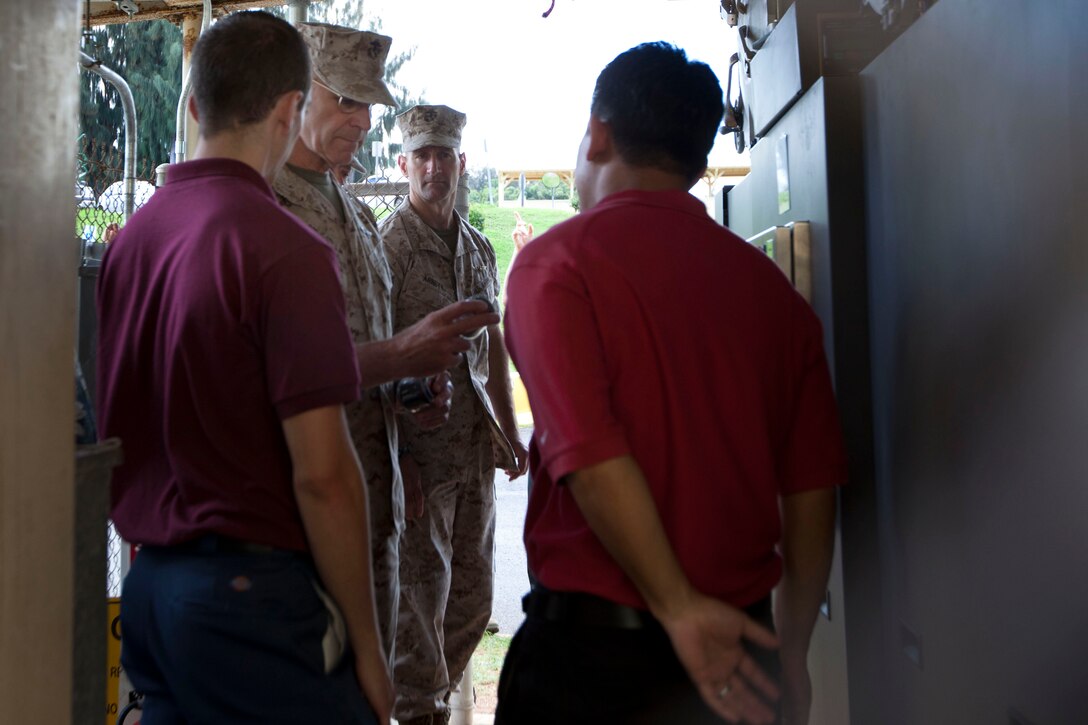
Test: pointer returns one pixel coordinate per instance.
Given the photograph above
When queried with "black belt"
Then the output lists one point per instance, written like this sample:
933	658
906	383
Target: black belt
593	611
584	609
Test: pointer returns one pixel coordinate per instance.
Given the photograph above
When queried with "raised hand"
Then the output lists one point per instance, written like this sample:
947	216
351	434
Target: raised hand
522	234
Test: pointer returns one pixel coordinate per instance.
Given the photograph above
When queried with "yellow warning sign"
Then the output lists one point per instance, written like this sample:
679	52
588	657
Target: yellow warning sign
113	659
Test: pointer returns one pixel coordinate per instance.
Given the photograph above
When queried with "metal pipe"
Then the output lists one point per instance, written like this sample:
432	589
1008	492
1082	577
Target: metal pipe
128	104
179	134
298	11
181	126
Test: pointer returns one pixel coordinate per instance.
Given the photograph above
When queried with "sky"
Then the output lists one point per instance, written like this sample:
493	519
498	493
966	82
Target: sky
525	81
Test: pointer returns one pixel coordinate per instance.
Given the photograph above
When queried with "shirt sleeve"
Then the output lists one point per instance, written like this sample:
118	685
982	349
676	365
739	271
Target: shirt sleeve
552	335
815	453
309	356
397	254
492	268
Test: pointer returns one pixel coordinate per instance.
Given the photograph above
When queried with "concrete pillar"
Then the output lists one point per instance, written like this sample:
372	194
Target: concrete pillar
39	260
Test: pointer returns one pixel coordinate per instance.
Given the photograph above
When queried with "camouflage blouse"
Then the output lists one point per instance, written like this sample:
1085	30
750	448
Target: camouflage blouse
368	282
428	276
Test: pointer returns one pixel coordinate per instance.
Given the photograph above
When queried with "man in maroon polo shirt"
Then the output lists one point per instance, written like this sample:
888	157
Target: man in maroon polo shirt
687	444
224	364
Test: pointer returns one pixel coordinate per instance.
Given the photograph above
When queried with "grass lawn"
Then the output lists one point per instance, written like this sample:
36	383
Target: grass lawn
486	666
499	222
97	219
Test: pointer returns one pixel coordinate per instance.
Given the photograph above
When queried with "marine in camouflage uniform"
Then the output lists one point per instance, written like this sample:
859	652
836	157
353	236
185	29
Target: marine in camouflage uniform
348	66
367	283
353	61
446	565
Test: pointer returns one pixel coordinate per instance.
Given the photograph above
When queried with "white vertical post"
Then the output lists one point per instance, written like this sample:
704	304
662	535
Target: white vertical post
462	700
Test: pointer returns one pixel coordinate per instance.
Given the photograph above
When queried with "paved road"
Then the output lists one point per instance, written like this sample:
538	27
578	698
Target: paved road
511	581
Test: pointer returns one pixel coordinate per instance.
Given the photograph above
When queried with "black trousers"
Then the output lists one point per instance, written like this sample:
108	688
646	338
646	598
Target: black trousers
567	669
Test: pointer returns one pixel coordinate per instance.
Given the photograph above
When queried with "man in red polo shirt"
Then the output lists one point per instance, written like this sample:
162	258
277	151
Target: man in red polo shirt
224	364
687	444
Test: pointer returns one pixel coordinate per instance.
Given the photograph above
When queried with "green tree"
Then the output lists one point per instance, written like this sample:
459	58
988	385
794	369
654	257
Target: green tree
477	185
536	191
147	55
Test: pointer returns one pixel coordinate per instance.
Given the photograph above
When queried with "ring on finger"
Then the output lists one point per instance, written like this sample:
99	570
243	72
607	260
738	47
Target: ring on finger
724	691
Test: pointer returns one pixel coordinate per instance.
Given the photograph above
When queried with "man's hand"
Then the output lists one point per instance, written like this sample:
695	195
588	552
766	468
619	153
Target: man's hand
413	487
434	344
437	412
372	672
329	488
522	234
707	634
521	458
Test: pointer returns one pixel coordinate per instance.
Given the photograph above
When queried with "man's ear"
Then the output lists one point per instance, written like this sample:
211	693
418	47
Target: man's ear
192	109
462	157
402	164
600	147
288	106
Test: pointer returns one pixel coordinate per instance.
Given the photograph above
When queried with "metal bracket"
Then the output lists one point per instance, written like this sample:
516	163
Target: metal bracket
129	7
734	112
729	12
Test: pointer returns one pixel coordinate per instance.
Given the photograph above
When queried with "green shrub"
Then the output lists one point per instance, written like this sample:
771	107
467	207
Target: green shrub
476	218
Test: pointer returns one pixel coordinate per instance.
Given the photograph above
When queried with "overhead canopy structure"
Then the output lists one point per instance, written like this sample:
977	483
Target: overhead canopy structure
109	12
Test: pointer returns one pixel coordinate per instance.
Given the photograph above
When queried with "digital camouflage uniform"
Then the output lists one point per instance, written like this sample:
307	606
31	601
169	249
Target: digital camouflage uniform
446	556
367	281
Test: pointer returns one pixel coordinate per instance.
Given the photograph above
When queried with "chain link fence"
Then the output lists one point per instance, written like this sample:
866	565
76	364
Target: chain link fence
100	211
380	192
100	190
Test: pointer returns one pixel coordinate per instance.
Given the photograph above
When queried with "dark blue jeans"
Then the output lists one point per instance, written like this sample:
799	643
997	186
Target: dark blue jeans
214	637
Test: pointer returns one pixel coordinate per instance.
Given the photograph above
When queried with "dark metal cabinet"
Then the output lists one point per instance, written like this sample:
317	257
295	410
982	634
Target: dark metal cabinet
808	169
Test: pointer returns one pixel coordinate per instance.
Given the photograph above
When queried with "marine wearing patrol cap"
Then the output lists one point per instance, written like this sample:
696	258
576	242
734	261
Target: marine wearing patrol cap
350	62
431	126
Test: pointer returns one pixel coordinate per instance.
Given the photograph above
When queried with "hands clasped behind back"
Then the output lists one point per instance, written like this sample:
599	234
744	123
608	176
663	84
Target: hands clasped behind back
707	635
435	343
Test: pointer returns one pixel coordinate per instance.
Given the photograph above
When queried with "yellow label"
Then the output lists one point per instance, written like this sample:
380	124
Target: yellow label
113	659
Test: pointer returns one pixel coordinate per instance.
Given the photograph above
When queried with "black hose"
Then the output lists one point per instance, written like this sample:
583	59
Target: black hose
134	704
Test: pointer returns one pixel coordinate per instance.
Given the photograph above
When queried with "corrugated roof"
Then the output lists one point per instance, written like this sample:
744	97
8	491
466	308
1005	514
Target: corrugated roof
106	12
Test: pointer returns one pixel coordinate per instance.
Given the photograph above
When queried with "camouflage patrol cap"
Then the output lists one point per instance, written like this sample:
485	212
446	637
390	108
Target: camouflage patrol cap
350	62
431	126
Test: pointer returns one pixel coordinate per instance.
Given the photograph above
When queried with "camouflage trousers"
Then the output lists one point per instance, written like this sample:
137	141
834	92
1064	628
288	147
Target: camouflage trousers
385	533
446	583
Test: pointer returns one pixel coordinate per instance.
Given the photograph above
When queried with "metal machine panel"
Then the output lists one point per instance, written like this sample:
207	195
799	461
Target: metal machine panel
815	155
777	74
784	47
979	311
789	246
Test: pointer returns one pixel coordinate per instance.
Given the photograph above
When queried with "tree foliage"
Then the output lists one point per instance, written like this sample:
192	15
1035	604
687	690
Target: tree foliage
537	191
147	55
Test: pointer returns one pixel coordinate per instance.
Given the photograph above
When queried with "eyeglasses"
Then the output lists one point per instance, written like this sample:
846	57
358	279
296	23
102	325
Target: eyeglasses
345	104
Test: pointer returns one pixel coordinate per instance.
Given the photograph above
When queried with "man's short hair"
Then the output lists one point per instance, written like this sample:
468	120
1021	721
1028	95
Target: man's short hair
242	65
663	109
